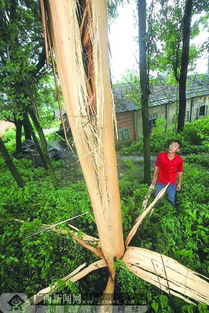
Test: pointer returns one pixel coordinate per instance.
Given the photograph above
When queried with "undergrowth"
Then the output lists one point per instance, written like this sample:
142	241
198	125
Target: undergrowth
32	260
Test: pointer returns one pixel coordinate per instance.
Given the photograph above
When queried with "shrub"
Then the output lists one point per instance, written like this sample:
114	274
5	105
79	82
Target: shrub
32	261
135	148
202	159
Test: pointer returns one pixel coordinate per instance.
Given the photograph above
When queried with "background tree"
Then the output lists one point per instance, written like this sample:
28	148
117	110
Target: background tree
144	83
22	60
173	55
186	29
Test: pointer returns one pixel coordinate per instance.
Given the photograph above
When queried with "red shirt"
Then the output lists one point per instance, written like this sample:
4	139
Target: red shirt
168	169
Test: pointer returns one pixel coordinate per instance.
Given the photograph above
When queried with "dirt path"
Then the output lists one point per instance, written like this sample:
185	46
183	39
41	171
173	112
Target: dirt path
4	126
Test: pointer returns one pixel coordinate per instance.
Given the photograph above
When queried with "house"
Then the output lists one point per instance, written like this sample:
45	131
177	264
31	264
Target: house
163	104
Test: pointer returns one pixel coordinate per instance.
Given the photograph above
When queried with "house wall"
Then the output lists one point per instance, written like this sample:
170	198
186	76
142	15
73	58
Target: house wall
164	111
193	107
168	112
125	123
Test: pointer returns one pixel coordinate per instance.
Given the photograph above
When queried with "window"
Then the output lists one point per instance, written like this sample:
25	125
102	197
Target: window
124	134
187	116
202	110
152	120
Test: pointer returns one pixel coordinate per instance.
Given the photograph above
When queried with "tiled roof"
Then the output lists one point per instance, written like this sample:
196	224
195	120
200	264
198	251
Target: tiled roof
121	99
159	94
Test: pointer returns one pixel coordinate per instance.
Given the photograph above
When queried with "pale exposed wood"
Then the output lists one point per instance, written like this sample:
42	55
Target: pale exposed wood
108	296
37	298
92	267
167	274
74	276
84	244
85	237
93	133
85	241
143	215
5	126
147	196
18	220
89	105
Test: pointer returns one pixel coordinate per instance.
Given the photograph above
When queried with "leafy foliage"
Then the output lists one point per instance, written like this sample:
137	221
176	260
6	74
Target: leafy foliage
165	19
32	261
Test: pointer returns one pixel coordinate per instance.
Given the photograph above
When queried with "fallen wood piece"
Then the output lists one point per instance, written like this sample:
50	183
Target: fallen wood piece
147	196
73	277
84	244
167	274
37	298
85	237
56	224
142	216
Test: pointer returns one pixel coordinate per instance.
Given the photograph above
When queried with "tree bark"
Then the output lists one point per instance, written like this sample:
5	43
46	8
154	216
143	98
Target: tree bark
43	144
144	84
18	124
38	147
27	130
184	64
10	164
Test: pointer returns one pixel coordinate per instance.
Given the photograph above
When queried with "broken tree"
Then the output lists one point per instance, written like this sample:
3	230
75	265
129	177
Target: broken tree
76	35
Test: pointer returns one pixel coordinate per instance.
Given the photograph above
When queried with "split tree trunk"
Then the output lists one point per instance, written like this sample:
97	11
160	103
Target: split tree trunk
88	101
79	35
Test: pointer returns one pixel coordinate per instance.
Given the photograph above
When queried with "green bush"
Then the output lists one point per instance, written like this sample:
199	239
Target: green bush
9	135
134	148
194	138
197	132
30	261
202	159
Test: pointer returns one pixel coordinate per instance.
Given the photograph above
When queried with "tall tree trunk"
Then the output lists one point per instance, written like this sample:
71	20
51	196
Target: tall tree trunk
144	84
38	147
10	164
43	143
18	124
26	130
184	64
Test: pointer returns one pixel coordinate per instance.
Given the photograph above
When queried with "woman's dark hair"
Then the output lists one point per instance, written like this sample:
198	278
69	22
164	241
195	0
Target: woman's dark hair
176	140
